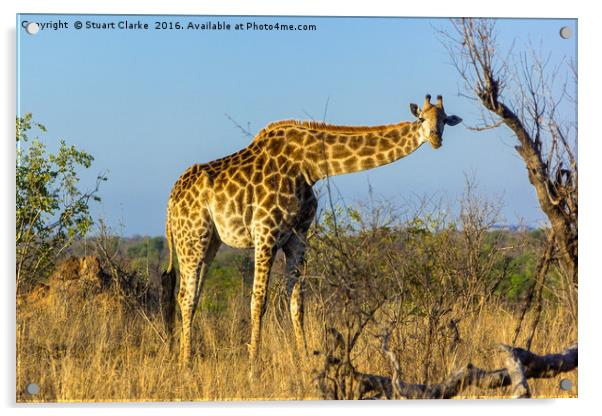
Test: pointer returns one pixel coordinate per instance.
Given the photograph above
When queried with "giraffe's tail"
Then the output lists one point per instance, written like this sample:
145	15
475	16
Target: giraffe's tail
168	288
169	238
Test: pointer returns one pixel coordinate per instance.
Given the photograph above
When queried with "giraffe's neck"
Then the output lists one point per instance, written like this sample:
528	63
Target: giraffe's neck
330	151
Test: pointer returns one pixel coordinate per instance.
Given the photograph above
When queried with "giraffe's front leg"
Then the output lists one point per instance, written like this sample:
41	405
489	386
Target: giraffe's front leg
264	258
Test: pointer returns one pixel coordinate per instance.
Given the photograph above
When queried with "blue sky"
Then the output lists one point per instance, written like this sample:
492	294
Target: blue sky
147	104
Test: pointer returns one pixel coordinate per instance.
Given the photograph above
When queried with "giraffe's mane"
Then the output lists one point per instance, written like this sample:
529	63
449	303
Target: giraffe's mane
322	126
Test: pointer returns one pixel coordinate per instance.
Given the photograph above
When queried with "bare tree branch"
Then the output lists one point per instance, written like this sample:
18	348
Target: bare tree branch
486	126
244	131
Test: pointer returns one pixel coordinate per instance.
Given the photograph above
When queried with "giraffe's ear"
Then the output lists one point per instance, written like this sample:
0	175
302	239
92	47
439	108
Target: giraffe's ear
452	120
415	110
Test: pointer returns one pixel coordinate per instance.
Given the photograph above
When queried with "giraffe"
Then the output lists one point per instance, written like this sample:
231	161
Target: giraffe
261	197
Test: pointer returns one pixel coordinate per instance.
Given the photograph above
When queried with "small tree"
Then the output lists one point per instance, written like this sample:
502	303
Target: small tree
50	209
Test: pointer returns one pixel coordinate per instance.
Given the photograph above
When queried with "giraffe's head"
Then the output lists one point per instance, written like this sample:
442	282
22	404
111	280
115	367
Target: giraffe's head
433	119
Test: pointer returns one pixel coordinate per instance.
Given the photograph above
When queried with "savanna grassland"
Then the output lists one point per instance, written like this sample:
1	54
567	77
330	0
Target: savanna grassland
449	292
96	351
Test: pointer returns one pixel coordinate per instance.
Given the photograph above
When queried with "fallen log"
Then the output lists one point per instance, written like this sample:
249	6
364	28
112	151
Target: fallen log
340	380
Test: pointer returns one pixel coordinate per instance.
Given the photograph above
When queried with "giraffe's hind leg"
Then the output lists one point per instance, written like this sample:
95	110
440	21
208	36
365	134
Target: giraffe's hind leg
294	251
265	251
198	251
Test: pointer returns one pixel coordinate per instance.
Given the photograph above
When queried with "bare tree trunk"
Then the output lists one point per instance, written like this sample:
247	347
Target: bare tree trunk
564	227
542	138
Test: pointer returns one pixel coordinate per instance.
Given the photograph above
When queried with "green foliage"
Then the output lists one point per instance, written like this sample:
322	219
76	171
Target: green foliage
521	274
51	210
342	220
538	234
230	275
145	255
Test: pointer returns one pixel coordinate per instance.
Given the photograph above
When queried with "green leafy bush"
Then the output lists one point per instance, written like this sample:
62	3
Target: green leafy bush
51	211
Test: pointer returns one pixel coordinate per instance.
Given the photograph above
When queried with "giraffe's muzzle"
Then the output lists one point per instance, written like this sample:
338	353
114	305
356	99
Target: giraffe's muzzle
436	141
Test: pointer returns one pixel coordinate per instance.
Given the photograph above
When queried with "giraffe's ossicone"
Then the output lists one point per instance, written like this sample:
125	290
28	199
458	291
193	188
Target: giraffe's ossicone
262	197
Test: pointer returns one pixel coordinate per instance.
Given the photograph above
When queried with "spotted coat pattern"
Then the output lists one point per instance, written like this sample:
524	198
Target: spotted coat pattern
261	197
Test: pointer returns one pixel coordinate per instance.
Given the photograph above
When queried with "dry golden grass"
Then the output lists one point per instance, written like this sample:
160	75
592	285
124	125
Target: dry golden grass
95	350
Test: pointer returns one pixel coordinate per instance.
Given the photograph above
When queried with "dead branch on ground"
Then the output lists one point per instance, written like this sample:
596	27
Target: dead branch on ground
340	380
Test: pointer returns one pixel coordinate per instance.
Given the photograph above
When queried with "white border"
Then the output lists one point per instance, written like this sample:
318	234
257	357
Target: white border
589	154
